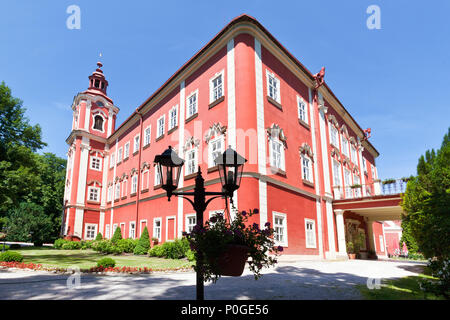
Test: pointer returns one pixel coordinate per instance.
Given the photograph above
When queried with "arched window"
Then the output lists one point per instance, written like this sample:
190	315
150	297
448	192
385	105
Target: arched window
98	122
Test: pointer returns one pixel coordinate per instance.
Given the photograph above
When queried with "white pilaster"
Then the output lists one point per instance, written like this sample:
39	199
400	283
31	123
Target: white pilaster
340	231
330	230
180	153
81	191
261	132
87	116
324	146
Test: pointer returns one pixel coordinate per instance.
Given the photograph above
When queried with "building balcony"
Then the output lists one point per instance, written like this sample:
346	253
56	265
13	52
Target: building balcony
376	188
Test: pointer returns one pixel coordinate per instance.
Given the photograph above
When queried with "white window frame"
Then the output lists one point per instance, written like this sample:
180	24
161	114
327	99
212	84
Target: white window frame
305	118
364	162
126	150
145	184
117	191
173	121
124	187
347	184
107	232
113	160
157	177
309	168
334	136
354	154
122	229
110	193
103	122
86	231
283	243
134	183
119	155
97	193
187	162
136	145
214	213
275	140
147	135
212	89
211	143
345	145
311	231
160	228
357	180
269	76
188	105
140	225
94	162
132	236
161	126
337	174
188	226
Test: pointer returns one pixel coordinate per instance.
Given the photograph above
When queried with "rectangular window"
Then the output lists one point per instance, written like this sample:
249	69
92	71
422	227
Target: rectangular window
161	124
113	160
96	163
191	162
147	136
354	154
144	181
119	155
157	228
357	181
364	164
191	105
134	181
94	194
302	110
173	117
348	183
107	231
336	173
127	150
109	193
136	144
157	177
216	88
191	221
306	168
344	146
279	225
310	233
117	193
273	87
90	232
277	154
124	188
215	150
334	136
132	231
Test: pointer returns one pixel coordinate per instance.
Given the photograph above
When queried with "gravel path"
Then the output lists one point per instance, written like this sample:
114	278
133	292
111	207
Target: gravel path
323	280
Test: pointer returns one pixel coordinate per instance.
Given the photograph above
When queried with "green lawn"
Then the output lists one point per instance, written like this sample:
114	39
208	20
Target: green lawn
399	289
84	259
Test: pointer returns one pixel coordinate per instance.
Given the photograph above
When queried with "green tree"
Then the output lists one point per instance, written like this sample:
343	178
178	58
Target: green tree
426	202
143	244
28	222
117	235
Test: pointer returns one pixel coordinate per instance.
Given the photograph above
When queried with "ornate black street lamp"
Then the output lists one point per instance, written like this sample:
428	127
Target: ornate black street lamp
230	165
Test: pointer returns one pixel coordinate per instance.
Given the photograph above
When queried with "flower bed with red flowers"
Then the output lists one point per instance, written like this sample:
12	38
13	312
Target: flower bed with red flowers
102	270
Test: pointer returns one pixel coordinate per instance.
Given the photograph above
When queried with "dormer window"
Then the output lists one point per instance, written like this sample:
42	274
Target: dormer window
98	122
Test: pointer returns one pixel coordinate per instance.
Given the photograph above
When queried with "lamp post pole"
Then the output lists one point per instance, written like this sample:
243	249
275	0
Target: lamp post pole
199	204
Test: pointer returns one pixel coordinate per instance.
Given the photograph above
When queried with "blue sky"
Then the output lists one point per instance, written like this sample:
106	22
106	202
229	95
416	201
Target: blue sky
395	80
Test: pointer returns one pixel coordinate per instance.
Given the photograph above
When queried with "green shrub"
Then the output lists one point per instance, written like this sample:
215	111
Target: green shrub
190	255
126	245
10	256
156	251
106	263
117	235
86	244
71	245
6	247
171	250
99	237
107	247
59	243
143	244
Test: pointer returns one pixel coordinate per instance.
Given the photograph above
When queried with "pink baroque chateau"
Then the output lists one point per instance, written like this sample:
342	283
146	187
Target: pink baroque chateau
310	165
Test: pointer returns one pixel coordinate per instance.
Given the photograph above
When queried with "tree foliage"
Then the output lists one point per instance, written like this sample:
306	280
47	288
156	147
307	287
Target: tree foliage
143	244
26	176
426	202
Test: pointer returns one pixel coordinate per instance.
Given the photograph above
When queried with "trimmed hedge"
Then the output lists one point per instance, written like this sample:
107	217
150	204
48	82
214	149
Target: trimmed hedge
117	235
11	256
106	263
143	245
171	250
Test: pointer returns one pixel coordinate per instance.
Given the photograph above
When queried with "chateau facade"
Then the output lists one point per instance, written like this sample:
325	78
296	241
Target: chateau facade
245	90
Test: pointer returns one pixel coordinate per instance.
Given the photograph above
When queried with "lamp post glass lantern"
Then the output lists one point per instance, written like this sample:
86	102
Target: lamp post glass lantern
230	165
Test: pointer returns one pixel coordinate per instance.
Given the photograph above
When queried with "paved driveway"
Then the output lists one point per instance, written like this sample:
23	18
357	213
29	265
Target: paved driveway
294	280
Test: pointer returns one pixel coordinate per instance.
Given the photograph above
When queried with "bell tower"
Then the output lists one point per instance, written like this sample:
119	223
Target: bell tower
94	117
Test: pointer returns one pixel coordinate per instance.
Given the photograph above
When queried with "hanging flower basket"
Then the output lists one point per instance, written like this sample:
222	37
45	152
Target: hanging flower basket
232	261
